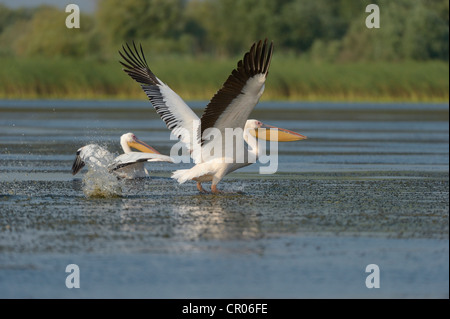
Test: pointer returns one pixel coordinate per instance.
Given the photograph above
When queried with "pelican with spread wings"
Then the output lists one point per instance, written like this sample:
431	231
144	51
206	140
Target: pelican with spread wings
229	108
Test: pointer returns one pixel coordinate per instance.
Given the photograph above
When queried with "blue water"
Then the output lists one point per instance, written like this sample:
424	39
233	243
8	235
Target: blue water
390	137
369	185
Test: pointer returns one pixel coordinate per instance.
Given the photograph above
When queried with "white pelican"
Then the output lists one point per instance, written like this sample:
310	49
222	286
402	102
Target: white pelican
229	108
129	165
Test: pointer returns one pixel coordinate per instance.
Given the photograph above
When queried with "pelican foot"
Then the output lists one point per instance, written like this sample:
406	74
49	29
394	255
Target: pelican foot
214	189
200	188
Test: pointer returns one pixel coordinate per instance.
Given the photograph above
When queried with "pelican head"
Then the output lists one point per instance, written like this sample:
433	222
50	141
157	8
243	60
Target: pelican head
129	140
263	131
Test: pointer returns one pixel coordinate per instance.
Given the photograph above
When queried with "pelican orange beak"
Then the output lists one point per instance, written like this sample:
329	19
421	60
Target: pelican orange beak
141	146
273	133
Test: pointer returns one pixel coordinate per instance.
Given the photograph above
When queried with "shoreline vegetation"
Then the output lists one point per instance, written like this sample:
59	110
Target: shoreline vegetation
324	50
290	79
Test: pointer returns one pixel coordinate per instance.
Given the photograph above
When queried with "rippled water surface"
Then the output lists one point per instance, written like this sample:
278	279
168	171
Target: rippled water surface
370	185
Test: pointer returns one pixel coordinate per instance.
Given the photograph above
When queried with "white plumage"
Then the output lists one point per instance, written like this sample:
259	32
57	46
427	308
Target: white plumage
129	165
230	107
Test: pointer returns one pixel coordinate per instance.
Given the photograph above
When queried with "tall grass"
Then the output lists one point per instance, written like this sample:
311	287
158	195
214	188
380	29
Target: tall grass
198	79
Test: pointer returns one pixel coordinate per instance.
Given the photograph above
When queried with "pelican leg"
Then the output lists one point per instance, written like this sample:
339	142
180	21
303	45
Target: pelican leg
214	189
200	188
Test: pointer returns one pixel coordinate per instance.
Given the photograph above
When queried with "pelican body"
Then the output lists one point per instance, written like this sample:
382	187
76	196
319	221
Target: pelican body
229	108
129	165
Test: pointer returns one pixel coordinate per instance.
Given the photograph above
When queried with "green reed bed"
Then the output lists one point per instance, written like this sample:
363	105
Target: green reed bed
199	78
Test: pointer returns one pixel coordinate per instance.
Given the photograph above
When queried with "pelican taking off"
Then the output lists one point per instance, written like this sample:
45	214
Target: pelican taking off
129	165
229	108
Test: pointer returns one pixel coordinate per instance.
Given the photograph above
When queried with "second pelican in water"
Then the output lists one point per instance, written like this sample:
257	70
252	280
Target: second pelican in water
129	165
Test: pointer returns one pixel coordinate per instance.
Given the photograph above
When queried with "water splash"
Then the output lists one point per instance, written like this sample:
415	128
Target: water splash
99	183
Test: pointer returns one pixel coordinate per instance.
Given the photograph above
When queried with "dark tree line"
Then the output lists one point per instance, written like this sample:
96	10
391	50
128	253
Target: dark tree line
331	30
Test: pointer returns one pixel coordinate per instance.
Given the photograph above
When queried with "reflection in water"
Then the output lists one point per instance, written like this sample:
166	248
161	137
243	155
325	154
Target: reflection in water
215	218
202	217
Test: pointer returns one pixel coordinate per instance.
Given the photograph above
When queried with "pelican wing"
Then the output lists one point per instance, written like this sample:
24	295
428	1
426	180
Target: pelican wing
93	155
137	157
232	104
79	163
177	115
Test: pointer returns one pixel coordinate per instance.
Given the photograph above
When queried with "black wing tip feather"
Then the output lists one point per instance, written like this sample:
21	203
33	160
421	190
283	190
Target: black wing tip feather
261	56
78	164
255	61
135	64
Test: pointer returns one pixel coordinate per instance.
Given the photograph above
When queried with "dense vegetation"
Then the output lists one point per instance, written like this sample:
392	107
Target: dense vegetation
323	48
